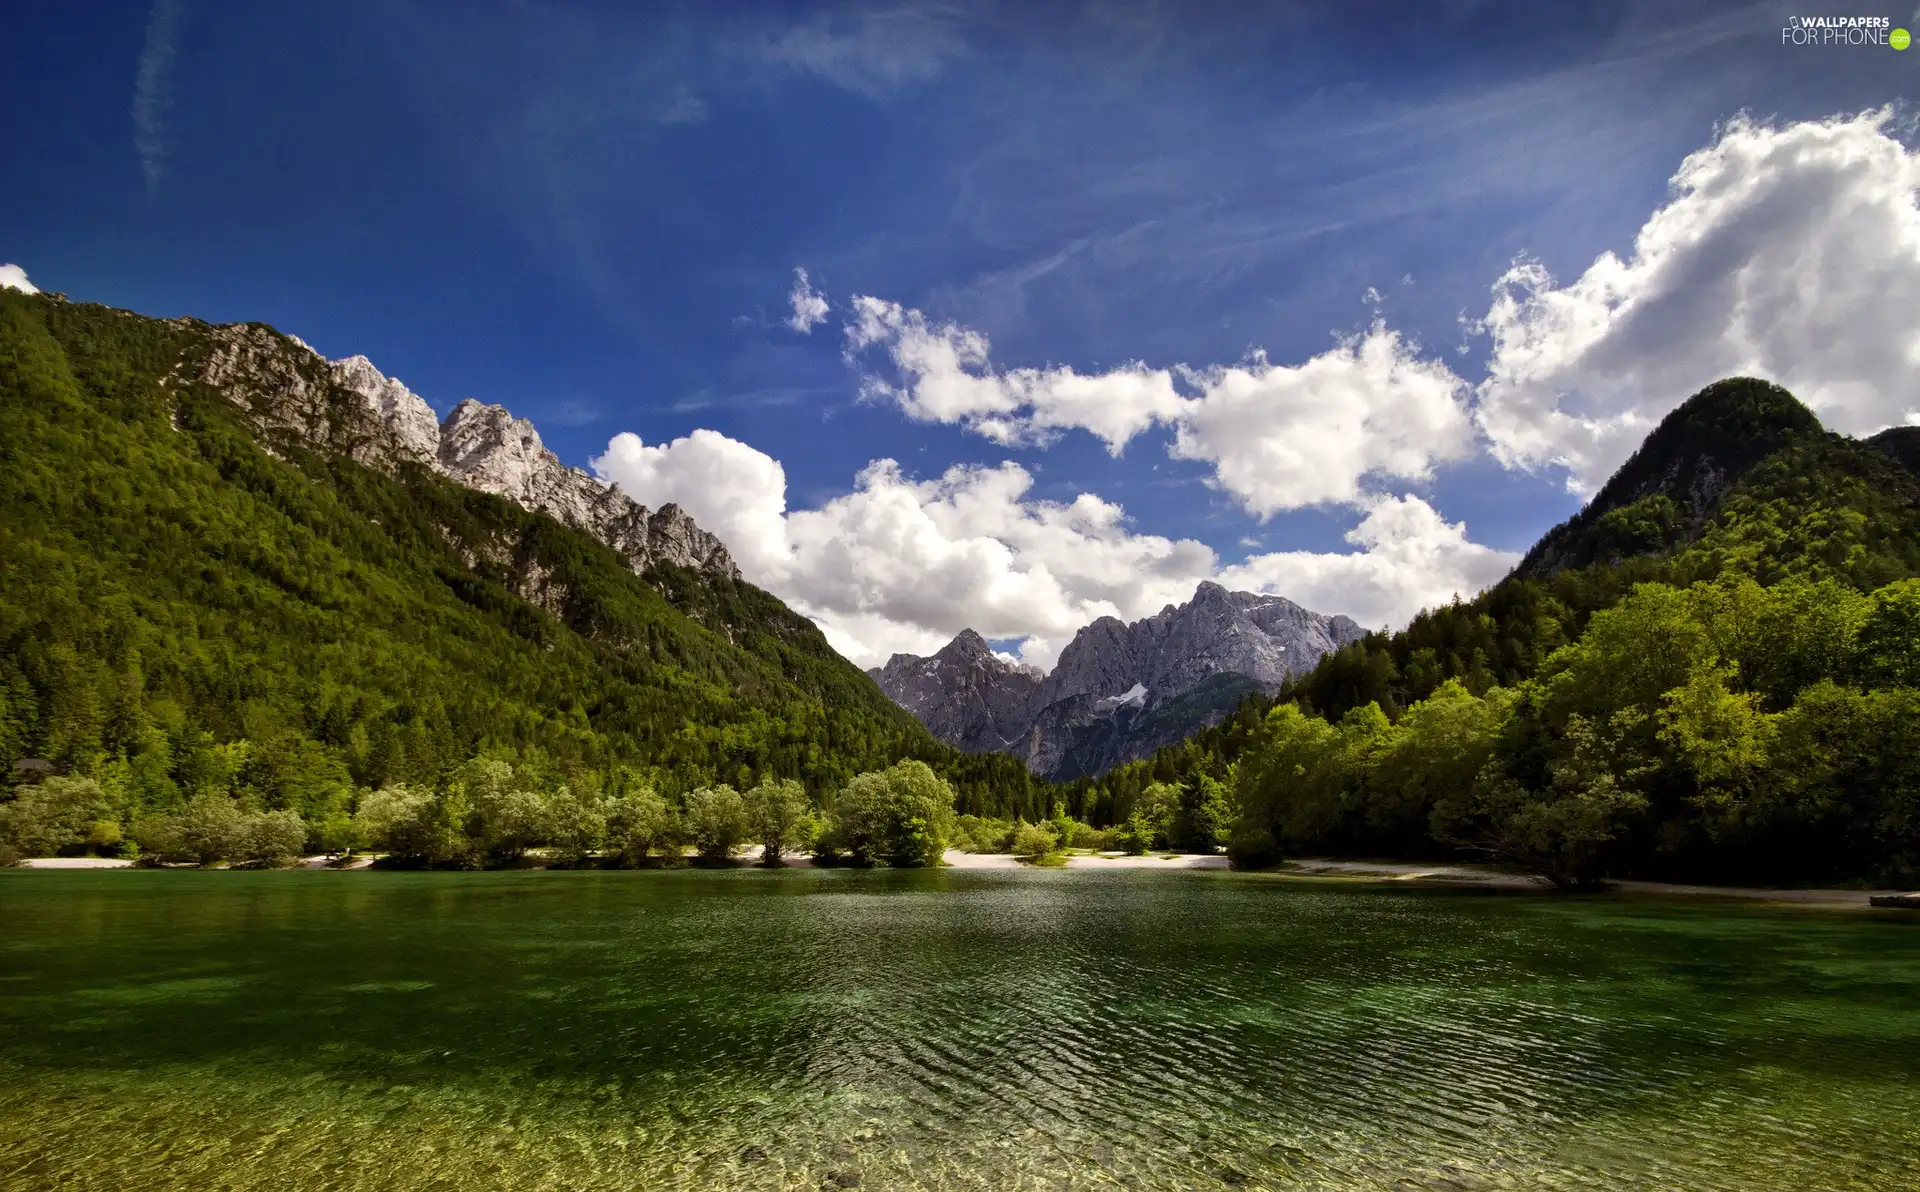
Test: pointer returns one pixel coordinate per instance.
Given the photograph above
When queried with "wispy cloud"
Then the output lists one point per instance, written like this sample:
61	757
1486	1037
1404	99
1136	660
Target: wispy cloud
771	396
574	412
152	90
684	108
874	52
809	304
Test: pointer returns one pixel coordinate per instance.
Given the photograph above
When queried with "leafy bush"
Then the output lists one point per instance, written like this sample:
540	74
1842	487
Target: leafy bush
575	825
976	834
211	828
1031	842
54	816
269	838
639	823
1085	835
715	820
780	819
1135	837
901	815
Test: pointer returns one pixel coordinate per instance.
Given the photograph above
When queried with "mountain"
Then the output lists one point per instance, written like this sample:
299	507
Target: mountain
480	446
1708	674
1740	477
1900	444
966	695
1119	690
1667	489
225	560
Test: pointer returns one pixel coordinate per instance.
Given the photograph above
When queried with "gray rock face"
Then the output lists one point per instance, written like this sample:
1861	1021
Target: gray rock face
487	448
964	694
287	387
415	427
1119	691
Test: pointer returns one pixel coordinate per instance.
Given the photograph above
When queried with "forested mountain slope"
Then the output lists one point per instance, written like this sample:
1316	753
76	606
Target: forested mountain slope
203	586
1712	671
1741	478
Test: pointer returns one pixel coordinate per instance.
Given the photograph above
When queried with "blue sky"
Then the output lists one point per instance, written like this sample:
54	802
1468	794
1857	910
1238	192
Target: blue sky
591	213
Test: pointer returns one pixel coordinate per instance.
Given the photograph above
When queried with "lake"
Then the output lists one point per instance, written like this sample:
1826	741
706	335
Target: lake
940	1030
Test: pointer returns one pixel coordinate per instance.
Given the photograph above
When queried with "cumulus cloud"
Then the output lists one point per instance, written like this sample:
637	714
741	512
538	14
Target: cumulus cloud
730	488
809	305
153	90
1788	252
903	564
1282	437
1279	437
945	375
1410	558
13	277
1785	252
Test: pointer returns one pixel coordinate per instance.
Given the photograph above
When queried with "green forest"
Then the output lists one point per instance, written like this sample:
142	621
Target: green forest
191	608
1711	673
220	642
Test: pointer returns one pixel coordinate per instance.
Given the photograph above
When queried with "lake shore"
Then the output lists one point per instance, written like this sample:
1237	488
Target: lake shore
1491	878
1435	875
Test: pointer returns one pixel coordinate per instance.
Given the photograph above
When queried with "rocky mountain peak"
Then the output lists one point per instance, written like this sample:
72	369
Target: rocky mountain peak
283	385
966	644
404	412
1119	690
964	693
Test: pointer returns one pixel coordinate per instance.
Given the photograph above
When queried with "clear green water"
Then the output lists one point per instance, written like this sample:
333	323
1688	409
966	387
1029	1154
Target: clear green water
937	1030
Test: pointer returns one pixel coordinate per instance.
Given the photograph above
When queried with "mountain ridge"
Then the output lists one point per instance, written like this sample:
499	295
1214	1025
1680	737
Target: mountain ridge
212	554
1096	708
479	445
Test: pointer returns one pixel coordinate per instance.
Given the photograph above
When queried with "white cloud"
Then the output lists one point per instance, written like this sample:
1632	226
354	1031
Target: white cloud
901	564
1279	437
1790	253
874	52
13	277
685	108
946	376
809	305
731	489
1282	437
1410	558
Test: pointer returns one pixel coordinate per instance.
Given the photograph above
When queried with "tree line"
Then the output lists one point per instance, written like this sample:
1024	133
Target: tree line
1722	731
184	610
492	813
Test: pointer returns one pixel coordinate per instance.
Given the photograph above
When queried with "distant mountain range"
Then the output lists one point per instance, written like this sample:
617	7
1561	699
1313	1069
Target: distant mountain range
1120	690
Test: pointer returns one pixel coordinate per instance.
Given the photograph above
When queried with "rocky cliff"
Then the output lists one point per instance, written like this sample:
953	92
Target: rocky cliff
965	694
350	406
1119	690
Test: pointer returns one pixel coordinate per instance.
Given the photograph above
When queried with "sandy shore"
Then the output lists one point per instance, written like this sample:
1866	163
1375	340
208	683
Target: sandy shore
1455	876
960	860
955	859
1487	877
